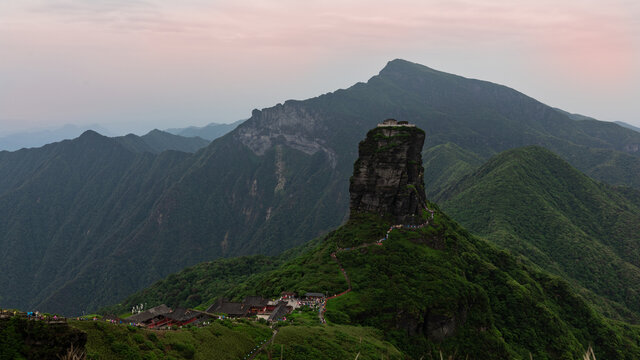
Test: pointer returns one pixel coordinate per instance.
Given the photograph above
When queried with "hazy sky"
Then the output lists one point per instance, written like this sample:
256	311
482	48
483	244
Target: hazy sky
137	65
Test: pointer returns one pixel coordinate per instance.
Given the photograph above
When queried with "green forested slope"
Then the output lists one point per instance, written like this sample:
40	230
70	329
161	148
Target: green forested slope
220	340
533	203
446	164
442	289
67	218
234	340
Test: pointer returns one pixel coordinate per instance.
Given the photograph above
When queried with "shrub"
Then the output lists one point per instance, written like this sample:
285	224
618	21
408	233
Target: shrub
186	350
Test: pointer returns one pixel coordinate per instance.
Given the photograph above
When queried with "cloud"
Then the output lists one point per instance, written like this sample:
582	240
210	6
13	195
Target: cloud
91	9
342	23
110	15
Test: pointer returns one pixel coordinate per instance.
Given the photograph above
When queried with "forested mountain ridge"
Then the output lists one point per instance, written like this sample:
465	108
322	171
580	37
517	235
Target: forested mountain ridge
533	203
276	181
156	141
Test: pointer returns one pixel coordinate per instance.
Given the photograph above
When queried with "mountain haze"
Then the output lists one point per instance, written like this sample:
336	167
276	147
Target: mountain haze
210	132
31	139
628	126
276	181
157	141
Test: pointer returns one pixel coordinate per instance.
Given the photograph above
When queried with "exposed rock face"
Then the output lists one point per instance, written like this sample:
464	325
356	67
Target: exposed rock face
388	177
290	124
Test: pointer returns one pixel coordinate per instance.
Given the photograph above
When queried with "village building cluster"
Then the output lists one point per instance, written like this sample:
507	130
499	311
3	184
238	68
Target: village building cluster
163	317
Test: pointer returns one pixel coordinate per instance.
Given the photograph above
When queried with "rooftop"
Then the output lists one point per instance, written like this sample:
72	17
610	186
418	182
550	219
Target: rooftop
149	314
227	307
394	122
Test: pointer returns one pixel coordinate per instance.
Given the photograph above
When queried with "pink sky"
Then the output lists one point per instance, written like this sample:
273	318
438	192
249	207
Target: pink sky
138	65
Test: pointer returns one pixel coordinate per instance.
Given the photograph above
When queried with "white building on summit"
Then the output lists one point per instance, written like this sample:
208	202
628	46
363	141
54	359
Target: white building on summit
394	122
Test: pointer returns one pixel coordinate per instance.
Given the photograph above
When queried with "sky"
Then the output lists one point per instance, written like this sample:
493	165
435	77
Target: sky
134	65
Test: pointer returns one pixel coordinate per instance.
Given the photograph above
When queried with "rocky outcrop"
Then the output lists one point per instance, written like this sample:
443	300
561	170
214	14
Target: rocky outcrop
290	124
388	177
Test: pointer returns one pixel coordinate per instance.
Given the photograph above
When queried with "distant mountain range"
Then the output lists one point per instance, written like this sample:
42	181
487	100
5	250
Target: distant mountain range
157	141
31	139
209	132
92	211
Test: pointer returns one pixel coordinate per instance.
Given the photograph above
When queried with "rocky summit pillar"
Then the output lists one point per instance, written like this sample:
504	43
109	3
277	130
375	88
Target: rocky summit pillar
388	177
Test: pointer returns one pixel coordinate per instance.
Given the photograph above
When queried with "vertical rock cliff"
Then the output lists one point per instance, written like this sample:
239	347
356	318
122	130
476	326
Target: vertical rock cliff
388	177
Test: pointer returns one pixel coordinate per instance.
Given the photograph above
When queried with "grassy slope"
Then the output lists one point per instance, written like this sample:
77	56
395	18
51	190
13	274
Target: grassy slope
530	201
233	340
220	340
331	342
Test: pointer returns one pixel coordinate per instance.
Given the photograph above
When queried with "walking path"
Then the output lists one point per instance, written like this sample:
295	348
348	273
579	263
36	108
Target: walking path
263	345
323	306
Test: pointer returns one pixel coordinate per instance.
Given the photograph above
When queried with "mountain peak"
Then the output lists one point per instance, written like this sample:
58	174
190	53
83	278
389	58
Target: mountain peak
403	67
388	177
91	134
92	137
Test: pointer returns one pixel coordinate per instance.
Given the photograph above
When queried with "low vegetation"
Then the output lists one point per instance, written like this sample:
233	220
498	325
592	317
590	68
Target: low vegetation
329	342
220	340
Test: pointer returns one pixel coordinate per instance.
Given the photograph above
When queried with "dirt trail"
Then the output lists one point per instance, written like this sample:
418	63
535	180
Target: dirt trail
264	345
